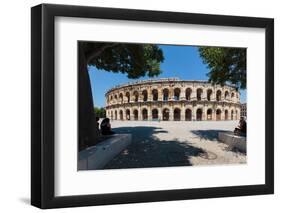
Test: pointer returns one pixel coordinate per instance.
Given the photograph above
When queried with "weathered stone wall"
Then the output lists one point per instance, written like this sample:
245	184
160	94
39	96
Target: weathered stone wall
173	99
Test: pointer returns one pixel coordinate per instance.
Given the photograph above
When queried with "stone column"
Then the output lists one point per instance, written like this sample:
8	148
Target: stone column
160	116
182	113
149	113
171	114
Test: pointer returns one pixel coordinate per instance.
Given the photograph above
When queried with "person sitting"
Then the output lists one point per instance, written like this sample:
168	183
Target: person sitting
97	126
106	127
241	129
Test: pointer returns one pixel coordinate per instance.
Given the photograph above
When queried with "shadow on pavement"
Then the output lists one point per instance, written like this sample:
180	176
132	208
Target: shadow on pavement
209	134
146	150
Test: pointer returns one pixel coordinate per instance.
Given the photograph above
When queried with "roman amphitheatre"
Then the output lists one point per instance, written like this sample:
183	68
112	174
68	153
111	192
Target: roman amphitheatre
172	99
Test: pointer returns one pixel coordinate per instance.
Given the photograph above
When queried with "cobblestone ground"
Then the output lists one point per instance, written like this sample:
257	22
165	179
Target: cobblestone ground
174	143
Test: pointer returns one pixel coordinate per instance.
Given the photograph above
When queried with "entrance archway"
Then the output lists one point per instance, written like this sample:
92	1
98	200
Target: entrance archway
209	114
136	115
188	115
177	114
155	114
226	114
166	115
218	115
115	115
199	115
128	115
144	114
232	115
121	115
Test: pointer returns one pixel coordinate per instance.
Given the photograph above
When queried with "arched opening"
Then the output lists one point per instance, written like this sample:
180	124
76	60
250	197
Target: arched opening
155	95
188	115
209	94
115	99
128	115
218	95
177	92
209	114
226	95
121	98
128	97
226	114
155	114
236	115
188	94
218	115
199	115
177	114
121	115
199	94
111	115
136	115
144	114
144	95
115	115
166	114
165	95
232	96
232	115
136	96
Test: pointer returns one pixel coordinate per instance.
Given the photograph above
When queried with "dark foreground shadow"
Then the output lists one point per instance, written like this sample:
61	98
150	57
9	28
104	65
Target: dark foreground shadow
148	151
210	134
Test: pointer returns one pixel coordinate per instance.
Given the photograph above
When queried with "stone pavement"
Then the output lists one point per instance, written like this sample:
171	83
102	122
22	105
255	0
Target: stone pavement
174	143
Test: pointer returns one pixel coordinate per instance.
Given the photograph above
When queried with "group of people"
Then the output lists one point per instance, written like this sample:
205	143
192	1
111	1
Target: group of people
104	128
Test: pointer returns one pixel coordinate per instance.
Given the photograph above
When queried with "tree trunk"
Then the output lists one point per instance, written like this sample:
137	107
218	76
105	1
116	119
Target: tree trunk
87	127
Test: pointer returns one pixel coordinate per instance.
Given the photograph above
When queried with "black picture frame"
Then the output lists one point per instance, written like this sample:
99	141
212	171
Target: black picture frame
43	102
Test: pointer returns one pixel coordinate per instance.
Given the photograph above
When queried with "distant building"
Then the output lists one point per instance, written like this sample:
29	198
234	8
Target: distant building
172	99
243	110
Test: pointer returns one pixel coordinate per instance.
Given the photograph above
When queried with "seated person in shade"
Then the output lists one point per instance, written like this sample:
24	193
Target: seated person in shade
97	124
241	129
106	127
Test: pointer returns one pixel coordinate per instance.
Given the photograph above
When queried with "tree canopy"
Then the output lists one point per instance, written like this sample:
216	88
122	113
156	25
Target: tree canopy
136	60
100	112
227	65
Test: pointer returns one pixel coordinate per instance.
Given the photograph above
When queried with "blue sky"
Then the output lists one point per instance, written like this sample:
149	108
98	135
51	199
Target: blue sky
182	62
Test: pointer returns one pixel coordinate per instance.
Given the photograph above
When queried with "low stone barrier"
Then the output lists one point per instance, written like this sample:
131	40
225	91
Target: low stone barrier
96	157
234	141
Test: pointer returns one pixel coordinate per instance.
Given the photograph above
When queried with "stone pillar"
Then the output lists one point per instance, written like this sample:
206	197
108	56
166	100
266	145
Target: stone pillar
182	94
171	114
160	116
149	113
182	113
193	94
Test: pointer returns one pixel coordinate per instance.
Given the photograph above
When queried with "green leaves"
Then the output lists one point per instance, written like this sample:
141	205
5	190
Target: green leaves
226	65
136	60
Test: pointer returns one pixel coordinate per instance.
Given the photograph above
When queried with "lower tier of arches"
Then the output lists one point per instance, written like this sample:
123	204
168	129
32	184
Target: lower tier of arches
175	114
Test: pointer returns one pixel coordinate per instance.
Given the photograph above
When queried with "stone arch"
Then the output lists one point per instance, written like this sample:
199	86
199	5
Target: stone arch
121	97
232	96
218	114
121	114
177	114
232	114
188	114
199	93
209	94
115	98
226	95
155	114
155	95
128	115
218	95
199	114
209	114
226	114
188	92
165	94
136	114
136	96
236	114
144	114
166	114
128	97
144	95
177	93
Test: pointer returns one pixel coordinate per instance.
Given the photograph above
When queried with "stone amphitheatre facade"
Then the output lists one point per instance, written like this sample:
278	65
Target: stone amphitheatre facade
172	99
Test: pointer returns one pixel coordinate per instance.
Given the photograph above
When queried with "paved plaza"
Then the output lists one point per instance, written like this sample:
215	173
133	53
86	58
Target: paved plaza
174	143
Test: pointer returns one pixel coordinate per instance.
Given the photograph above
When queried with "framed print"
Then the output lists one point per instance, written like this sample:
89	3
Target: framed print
139	106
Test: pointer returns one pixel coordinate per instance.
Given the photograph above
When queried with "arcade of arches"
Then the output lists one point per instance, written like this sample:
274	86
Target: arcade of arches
173	100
